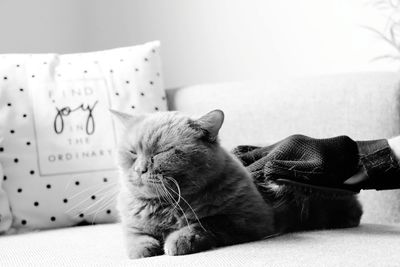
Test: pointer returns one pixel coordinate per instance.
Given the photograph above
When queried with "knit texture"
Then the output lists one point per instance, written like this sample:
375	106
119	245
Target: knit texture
324	162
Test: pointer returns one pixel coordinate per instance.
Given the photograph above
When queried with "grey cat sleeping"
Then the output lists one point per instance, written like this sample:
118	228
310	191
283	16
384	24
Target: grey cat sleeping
182	193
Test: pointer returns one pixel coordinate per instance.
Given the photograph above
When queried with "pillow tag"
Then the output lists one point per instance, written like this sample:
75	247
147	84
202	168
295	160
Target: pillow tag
75	132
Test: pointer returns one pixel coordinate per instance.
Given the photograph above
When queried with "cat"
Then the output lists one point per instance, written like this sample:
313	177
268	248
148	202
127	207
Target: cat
182	193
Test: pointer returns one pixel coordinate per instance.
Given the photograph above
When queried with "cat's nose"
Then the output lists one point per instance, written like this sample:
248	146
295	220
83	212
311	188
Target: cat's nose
140	169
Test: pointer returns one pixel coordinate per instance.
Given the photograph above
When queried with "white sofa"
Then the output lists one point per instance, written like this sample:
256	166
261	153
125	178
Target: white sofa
361	105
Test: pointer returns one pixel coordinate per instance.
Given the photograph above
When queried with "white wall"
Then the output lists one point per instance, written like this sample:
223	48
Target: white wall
205	40
41	26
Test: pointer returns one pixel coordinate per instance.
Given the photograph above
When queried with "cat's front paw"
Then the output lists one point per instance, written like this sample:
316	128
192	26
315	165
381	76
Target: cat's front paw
184	241
145	249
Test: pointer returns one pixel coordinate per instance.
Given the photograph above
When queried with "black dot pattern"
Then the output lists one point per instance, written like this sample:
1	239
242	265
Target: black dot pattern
134	82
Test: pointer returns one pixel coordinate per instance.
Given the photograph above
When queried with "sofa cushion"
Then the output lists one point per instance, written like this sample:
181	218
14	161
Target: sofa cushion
59	136
102	245
362	105
5	212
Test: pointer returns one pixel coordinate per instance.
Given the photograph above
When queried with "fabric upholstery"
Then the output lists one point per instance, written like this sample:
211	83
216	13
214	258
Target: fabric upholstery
59	135
5	212
102	245
361	105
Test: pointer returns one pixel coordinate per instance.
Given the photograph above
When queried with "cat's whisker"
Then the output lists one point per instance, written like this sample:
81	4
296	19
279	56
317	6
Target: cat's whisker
177	186
85	190
170	199
104	198
179	206
102	208
158	192
102	204
91	187
73	208
87	199
181	197
161	193
107	203
79	204
68	184
272	235
304	211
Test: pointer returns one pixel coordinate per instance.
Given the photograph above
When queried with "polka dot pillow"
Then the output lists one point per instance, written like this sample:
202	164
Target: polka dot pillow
5	213
59	136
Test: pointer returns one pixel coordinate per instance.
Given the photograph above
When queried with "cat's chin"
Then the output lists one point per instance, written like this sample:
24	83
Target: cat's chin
147	191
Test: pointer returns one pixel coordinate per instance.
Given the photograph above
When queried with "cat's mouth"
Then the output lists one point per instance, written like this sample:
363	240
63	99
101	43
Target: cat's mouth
153	181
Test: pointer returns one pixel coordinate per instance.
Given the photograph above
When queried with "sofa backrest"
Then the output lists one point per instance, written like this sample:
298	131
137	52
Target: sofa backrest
361	105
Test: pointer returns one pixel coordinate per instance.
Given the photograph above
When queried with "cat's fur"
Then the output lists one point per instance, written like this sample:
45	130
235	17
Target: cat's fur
182	193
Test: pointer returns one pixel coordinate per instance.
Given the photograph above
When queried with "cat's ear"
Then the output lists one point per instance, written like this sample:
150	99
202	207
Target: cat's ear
126	119
123	118
212	122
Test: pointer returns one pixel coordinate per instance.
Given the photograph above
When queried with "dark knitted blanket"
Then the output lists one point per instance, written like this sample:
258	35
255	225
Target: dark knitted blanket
320	162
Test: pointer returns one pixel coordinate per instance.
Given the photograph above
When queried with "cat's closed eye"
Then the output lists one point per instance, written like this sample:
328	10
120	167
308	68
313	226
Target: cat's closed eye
133	154
163	150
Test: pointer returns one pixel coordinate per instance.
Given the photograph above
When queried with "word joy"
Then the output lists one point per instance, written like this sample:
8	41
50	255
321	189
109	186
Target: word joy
66	111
